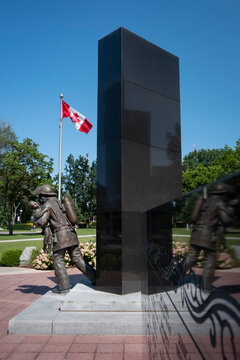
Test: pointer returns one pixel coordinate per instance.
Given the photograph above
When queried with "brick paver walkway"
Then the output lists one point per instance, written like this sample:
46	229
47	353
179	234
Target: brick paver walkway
20	290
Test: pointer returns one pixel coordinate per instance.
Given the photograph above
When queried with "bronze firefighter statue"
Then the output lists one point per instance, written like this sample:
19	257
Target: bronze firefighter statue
56	222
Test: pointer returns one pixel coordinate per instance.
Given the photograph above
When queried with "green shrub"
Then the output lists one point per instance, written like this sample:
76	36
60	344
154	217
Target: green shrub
10	257
93	225
21	227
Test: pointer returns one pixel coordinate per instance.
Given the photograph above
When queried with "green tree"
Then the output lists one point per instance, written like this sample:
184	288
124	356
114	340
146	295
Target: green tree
205	157
205	166
79	181
23	169
201	175
7	135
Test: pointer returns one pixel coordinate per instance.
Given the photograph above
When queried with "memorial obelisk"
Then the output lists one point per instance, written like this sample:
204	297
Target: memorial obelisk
139	152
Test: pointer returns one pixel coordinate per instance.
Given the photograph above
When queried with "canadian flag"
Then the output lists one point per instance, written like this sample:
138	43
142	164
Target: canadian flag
80	121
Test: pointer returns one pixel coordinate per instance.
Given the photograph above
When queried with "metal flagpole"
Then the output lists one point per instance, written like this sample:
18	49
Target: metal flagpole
60	151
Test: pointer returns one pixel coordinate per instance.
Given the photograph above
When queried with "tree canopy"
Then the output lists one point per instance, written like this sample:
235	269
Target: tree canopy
6	136
23	169
204	166
79	181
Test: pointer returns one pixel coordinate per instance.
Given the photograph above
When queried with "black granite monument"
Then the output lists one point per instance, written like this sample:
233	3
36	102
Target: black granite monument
139	154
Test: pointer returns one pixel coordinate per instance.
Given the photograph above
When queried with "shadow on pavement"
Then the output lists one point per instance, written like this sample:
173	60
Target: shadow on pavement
42	289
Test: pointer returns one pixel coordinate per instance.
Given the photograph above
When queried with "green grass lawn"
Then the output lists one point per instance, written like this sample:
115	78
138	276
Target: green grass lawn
32	235
20	245
37	243
181	239
181	231
232	234
20	236
186	240
86	231
184	231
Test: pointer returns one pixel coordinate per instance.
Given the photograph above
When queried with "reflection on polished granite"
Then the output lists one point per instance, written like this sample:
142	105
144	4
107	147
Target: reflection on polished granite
178	305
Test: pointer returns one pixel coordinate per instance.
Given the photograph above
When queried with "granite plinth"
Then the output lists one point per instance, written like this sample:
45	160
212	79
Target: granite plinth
81	311
86	311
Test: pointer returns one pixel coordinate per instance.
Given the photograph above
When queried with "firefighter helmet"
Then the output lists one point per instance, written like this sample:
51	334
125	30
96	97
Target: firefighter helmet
45	190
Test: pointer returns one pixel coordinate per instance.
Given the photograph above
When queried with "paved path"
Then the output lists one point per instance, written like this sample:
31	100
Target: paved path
20	270
93	235
19	289
37	239
21	232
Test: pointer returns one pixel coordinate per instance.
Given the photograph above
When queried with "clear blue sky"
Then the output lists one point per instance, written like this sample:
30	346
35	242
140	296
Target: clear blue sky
50	46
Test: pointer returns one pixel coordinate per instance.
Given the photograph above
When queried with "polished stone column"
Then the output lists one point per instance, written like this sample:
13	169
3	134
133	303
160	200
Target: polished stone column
139	154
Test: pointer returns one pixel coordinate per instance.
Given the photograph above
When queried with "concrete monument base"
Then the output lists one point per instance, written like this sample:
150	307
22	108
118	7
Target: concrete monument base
87	311
83	310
